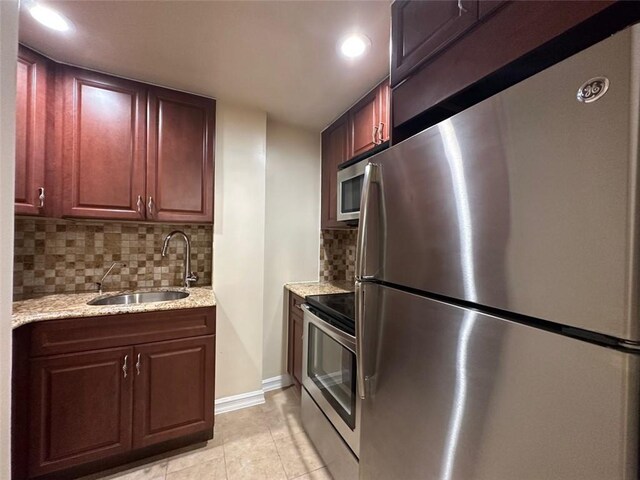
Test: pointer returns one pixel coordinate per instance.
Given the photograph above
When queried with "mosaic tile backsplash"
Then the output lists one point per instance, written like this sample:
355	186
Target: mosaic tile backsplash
66	256
337	255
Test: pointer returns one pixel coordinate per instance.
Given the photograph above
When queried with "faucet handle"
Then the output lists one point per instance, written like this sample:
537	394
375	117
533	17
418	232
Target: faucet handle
192	277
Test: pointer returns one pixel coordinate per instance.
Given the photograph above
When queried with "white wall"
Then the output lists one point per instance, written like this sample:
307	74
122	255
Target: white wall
292	230
238	247
266	233
8	54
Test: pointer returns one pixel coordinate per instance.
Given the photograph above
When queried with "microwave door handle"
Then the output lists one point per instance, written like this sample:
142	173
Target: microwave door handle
370	172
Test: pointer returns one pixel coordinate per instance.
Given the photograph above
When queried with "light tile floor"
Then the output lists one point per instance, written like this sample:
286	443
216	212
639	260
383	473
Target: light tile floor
263	442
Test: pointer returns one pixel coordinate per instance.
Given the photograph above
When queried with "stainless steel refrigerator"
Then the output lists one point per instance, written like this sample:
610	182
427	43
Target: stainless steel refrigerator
497	289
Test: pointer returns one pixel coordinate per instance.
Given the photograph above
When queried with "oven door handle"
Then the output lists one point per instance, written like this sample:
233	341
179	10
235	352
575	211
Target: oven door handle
344	339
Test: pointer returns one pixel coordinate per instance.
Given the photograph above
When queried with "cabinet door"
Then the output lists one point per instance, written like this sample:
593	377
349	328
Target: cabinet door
334	152
364	120
80	408
384	122
298	332
421	29
174	383
180	162
31	101
104	148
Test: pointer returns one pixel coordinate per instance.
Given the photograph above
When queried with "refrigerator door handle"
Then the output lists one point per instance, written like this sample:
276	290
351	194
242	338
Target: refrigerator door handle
360	363
370	177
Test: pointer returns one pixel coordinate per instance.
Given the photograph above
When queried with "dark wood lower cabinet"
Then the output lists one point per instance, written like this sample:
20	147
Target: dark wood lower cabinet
80	408
298	331
295	340
173	389
83	409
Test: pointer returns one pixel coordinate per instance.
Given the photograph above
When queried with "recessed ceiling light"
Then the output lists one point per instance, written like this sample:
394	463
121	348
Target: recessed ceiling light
49	18
354	45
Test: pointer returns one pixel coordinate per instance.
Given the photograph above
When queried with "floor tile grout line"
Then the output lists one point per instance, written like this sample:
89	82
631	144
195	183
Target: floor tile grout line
224	459
275	444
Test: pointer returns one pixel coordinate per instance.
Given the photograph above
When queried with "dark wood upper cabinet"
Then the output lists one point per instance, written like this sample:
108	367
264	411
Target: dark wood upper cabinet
420	29
384	122
444	61
364	123
335	145
369	121
173	389
180	157
360	130
120	149
80	408
31	104
103	146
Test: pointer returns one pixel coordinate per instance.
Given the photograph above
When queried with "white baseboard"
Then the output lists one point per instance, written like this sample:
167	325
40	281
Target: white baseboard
274	383
250	399
236	402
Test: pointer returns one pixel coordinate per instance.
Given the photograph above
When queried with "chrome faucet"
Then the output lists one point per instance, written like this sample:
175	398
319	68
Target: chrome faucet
99	284
189	276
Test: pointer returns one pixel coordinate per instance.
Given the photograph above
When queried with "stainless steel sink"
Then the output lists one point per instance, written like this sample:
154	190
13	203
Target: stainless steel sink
143	297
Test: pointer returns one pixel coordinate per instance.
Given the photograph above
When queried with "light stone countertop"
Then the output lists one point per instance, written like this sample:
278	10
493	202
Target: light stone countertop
74	305
320	288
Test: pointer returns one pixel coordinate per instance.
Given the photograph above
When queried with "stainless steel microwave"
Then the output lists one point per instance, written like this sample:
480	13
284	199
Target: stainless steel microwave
350	182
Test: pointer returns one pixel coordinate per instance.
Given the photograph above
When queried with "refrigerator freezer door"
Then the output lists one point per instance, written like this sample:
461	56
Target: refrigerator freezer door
526	202
462	395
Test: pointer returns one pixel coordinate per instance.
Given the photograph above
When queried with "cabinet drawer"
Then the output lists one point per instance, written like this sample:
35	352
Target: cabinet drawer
295	305
89	333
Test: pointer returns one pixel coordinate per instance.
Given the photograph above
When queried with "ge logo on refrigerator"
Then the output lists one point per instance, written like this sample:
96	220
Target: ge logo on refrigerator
593	89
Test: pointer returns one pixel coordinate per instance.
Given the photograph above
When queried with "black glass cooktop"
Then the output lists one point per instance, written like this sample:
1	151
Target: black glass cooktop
338	309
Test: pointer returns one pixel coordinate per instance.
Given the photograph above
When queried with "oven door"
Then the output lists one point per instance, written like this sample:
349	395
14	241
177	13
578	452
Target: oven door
329	375
350	181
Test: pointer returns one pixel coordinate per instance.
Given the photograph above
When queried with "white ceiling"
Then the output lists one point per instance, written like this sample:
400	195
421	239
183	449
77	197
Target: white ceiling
279	56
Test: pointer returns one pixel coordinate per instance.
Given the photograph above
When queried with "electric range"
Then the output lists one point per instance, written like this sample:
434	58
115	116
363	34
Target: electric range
330	404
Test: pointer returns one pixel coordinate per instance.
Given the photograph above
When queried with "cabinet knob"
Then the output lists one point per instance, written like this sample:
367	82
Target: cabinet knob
140	203
380	132
150	205
125	366
138	363
375	134
41	197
